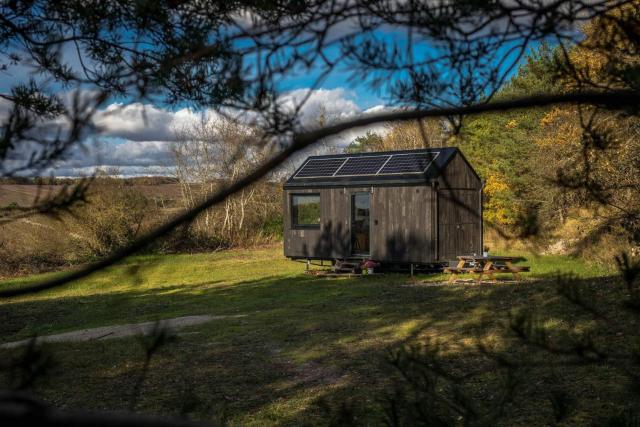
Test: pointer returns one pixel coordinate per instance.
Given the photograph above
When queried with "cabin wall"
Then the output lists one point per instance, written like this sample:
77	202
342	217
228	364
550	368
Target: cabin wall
402	224
459	223
459	211
459	174
332	239
406	223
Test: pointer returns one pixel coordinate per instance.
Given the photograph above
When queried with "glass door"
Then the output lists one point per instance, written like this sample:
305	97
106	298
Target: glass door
360	223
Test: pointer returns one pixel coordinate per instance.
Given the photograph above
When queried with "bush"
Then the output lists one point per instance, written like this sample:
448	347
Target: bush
273	227
112	218
36	245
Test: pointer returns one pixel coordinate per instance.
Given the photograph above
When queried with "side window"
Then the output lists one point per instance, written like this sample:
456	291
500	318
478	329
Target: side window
305	210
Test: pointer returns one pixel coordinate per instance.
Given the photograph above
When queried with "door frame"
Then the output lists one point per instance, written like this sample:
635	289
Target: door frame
352	195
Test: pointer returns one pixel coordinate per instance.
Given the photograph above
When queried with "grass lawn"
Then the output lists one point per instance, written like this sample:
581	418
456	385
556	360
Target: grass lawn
303	339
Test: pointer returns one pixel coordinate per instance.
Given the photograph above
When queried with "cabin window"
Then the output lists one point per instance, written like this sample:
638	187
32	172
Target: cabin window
305	210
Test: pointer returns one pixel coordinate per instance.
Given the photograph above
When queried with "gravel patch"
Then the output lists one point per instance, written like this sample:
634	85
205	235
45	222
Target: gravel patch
120	331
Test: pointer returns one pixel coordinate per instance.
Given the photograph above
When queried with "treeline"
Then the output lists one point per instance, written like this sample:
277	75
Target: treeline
211	155
116	210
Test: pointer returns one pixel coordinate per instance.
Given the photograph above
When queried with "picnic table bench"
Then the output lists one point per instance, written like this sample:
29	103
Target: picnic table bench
485	266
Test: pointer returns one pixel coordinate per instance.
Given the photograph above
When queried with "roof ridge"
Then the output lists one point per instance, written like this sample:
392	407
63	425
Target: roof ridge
381	153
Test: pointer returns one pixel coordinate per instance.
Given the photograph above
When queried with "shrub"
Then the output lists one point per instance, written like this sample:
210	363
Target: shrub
112	218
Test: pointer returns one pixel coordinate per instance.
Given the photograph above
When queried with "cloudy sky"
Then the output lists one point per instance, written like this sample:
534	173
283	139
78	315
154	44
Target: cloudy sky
137	138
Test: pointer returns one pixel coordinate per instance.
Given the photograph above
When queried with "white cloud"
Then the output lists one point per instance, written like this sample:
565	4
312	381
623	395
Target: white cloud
125	171
376	109
131	157
333	104
127	153
143	122
146	122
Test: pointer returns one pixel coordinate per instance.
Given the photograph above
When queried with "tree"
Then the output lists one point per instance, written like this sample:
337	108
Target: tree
208	156
236	57
371	141
591	154
503	149
113	217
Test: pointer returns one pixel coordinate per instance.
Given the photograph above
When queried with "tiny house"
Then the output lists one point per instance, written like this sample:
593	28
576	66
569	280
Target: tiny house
418	206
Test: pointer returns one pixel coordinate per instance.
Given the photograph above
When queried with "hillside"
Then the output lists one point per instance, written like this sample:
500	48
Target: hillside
24	195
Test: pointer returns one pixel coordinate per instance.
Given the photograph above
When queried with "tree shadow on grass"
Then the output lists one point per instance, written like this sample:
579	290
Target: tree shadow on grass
303	340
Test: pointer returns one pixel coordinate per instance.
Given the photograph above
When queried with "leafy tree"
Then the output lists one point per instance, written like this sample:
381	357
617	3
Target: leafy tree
590	155
371	141
403	136
502	145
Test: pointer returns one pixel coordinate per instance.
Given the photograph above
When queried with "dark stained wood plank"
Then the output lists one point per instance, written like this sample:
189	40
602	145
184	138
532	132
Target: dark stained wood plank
403	232
458	174
459	219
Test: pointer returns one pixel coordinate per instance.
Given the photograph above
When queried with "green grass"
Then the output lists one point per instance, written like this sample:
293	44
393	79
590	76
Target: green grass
304	339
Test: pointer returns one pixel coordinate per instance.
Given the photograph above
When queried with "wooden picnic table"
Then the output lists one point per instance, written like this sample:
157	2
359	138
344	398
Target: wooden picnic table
485	266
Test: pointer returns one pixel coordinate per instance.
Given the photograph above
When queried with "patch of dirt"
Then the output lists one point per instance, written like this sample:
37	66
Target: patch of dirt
120	331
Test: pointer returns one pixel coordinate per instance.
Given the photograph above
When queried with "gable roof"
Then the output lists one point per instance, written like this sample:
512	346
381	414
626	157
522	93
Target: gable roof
379	168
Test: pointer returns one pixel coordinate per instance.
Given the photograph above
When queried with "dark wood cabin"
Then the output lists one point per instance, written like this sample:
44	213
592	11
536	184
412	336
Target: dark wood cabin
419	207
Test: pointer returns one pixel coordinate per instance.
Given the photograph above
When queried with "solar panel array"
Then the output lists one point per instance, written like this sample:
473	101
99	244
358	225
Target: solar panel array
408	163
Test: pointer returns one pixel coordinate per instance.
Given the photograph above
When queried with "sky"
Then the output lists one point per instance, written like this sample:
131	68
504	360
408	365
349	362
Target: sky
136	138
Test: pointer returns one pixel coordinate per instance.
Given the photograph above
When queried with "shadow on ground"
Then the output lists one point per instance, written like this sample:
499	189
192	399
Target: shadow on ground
303	340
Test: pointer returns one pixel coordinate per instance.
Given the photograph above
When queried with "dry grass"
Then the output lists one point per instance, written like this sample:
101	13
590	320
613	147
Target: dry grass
25	195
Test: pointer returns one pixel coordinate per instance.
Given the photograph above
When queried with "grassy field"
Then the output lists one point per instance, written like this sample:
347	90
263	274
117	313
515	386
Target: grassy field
303	340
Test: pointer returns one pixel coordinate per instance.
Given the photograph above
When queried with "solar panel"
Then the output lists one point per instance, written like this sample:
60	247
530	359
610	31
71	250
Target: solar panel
408	163
369	165
320	167
383	164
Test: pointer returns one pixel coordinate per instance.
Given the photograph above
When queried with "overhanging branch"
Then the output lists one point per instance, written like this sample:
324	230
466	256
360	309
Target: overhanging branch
612	100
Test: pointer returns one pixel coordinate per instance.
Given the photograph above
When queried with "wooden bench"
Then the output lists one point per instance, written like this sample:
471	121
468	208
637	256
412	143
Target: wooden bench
455	271
485	266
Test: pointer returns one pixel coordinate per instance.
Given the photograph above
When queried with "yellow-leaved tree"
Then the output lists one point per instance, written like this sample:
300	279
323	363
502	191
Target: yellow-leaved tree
590	158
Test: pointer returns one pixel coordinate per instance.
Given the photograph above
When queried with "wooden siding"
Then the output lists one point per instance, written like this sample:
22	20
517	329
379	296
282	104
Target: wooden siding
458	174
402	224
332	238
459	223
404	232
459	211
